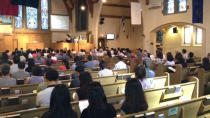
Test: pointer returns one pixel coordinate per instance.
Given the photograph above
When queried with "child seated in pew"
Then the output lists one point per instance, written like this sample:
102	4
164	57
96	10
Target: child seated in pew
43	97
85	79
134	98
104	70
5	79
60	106
98	106
140	73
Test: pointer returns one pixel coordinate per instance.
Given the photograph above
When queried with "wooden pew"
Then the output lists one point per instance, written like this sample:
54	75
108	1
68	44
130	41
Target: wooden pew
204	78
153	95
17	102
186	109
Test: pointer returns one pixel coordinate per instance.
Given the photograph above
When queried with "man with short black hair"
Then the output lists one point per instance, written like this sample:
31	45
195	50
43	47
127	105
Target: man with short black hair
43	97
75	76
120	65
5	79
21	74
14	66
90	63
104	70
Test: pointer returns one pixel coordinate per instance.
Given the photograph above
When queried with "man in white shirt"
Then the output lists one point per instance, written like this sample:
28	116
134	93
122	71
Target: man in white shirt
104	71
43	97
120	65
185	55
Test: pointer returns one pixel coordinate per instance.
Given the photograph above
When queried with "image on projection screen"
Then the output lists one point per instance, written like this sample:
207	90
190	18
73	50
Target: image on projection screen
59	23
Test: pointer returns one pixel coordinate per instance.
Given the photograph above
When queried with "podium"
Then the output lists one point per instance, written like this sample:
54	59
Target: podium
82	44
34	46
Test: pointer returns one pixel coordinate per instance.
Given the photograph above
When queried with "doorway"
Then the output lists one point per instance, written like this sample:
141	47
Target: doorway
102	42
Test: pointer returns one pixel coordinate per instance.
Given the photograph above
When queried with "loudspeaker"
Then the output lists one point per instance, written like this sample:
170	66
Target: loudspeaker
101	21
175	30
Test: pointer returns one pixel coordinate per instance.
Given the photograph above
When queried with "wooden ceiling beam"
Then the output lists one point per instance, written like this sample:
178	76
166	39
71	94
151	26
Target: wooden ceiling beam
114	16
69	6
116	5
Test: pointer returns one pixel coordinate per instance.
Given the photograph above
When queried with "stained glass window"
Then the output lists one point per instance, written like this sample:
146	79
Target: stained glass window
170	6
19	18
182	5
31	18
44	14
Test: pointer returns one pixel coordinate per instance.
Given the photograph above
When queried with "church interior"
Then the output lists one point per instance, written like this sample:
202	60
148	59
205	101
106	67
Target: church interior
104	59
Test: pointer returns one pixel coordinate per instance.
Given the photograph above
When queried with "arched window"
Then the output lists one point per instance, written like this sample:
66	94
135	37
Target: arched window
31	18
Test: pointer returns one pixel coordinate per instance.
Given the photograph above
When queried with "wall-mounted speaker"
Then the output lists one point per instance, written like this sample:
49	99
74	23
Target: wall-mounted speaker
175	30
101	20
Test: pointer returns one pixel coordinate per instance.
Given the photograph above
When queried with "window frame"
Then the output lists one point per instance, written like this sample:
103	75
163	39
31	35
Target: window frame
176	7
191	35
196	36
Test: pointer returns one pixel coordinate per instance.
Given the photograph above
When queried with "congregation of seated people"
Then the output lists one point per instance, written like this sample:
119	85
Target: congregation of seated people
37	67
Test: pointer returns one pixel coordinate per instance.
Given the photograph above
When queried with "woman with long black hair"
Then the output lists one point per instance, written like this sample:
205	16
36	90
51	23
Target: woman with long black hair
60	106
134	98
98	106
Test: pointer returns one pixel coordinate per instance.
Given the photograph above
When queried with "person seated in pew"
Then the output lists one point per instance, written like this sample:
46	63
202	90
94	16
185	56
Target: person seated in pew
120	64
31	64
14	66
190	59
75	76
43	97
65	65
90	63
140	73
76	60
21	74
98	106
58	55
135	100
180	60
184	53
36	77
49	60
5	79
60	106
170	60
85	79
149	73
159	59
104	70
39	59
205	64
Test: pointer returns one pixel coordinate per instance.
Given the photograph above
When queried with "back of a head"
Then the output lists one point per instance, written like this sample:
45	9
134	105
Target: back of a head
85	79
170	56
49	62
140	72
89	58
96	97
16	59
80	68
160	55
205	61
31	62
60	106
37	71
5	70
102	65
51	75
184	51
76	59
191	54
21	65
147	63
134	97
120	58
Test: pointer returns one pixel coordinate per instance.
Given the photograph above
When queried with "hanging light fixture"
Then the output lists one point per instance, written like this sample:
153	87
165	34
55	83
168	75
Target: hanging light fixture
82	7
